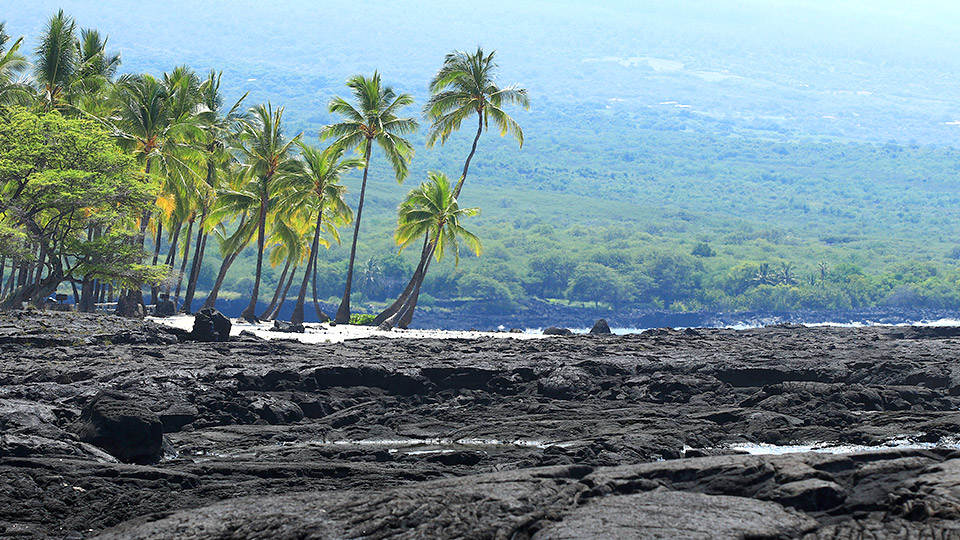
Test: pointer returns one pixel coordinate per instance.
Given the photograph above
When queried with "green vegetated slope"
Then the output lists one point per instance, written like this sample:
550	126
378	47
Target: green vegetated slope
703	156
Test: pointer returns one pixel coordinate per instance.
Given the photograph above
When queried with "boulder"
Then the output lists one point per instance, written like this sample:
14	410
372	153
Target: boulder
210	325
283	326
554	331
601	327
164	308
122	426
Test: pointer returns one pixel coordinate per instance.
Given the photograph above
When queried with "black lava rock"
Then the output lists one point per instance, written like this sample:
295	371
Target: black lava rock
600	327
554	331
210	325
122	426
283	326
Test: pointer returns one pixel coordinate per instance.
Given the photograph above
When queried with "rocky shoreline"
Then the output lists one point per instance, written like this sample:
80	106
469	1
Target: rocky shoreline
564	437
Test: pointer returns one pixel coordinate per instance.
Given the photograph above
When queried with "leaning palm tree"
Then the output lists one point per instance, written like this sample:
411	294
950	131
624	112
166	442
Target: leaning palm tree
56	59
431	210
220	127
373	119
267	155
12	65
465	84
315	190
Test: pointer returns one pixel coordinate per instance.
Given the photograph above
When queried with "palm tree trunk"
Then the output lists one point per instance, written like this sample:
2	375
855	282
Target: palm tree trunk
321	316
400	316
183	263
198	253
211	299
343	313
172	253
283	297
130	302
411	306
154	288
249	312
398	303
473	150
276	294
297	316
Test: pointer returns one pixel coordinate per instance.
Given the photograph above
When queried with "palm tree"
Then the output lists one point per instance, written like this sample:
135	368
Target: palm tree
786	275
219	128
148	123
95	69
431	210
12	64
57	59
267	156
373	119
465	84
315	190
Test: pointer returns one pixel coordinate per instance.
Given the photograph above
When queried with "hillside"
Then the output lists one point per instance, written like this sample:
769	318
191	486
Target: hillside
693	157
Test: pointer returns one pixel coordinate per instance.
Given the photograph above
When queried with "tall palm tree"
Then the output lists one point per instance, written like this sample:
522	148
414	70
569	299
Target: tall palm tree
12	64
57	59
267	156
220	127
465	84
431	210
146	122
315	189
373	119
95	70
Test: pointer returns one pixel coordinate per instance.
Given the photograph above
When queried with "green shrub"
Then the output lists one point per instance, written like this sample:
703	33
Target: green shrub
362	319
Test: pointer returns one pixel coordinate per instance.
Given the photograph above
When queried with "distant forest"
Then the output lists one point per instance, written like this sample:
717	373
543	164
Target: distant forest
644	184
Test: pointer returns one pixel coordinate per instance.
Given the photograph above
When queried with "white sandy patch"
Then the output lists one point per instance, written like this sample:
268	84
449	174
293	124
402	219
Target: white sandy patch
326	333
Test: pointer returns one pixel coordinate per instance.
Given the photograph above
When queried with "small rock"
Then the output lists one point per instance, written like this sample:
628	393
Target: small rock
600	327
177	416
283	326
554	331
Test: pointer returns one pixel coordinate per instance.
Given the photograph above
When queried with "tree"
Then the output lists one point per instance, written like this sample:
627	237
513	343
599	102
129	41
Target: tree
597	283
57	60
266	156
465	84
150	123
12	64
313	189
60	180
220	127
373	119
432	211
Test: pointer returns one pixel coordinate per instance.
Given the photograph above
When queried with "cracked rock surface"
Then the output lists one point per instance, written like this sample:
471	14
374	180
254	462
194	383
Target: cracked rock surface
586	436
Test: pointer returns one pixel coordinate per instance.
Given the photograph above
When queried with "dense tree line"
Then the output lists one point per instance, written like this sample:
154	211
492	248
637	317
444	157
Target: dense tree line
101	174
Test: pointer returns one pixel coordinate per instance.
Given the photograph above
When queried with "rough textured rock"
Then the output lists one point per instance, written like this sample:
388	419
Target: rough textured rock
479	438
121	425
554	331
210	325
600	327
283	326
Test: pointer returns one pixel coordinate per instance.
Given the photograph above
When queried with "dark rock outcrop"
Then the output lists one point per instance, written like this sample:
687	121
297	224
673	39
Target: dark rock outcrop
554	331
209	325
600	327
121	425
